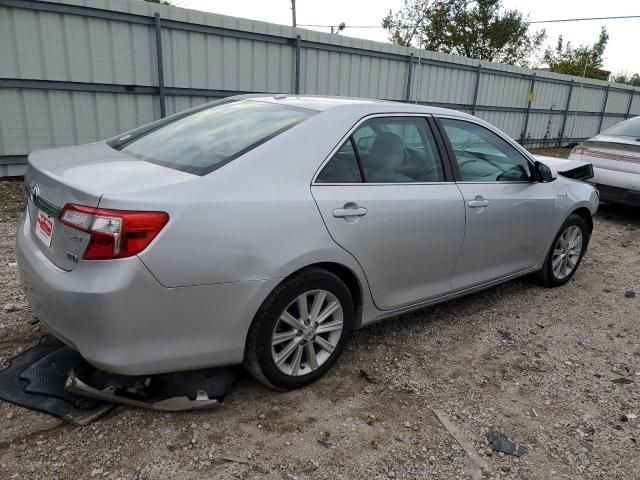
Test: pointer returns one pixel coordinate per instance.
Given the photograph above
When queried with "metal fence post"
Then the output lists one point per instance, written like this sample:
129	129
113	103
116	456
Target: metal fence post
475	91
626	116
604	107
158	28
407	94
526	118
566	114
296	84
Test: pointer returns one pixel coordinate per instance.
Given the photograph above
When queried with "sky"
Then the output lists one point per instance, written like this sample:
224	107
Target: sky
619	56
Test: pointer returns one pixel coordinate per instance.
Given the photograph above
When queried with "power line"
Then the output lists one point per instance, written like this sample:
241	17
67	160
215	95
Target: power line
586	19
557	20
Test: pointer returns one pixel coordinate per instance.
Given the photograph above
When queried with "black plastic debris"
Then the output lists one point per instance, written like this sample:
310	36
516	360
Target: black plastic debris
193	389
325	444
500	443
35	379
54	379
369	378
622	381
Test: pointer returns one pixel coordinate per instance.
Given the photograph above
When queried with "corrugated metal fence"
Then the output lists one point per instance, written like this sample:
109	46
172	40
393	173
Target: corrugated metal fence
77	71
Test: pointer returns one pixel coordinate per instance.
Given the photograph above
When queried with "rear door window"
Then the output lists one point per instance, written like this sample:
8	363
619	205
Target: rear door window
343	167
387	150
206	138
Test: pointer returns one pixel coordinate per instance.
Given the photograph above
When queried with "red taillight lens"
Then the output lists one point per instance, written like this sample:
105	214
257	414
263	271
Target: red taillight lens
114	233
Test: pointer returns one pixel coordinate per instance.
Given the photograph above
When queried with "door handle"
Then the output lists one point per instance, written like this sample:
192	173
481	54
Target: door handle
478	202
350	210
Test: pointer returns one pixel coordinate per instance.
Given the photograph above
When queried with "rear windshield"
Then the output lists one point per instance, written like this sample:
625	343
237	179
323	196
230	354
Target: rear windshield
205	138
628	128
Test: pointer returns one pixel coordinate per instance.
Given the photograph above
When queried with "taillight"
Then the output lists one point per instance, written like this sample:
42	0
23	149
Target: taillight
114	233
578	150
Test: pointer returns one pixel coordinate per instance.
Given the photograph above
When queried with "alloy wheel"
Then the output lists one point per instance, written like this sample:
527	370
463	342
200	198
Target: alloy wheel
307	332
566	252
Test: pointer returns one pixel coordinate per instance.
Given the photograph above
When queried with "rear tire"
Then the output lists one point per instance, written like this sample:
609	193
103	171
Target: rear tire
565	254
300	330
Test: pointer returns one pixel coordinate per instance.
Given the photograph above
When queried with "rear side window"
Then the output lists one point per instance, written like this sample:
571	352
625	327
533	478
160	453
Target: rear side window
207	138
628	128
387	150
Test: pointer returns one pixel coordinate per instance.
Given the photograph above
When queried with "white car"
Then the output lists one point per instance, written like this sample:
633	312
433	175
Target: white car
615	155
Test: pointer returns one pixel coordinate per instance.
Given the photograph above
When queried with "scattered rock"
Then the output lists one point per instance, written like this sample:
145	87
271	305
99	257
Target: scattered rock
628	416
13	307
369	378
630	294
9	415
97	471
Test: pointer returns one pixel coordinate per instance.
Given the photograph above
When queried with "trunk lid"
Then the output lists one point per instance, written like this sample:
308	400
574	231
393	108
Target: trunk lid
82	175
613	152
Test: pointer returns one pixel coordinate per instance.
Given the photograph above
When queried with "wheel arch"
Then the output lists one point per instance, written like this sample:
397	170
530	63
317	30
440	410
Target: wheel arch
344	273
585	214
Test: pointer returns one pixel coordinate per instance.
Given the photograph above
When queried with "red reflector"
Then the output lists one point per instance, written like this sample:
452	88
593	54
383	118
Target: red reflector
114	233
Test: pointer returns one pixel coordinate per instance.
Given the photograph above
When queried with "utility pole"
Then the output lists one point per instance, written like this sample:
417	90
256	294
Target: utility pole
293	13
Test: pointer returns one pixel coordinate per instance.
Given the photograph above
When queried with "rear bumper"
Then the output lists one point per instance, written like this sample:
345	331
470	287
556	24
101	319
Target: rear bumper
123	321
618	187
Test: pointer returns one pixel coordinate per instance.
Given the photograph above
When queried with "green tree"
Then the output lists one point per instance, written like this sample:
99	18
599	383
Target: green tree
480	29
624	77
585	60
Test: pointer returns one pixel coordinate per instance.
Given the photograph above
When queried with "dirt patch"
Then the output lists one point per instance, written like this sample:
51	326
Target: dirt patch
552	152
536	364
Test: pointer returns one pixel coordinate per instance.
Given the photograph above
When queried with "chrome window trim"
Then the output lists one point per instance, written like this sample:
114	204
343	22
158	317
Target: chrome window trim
314	181
379	184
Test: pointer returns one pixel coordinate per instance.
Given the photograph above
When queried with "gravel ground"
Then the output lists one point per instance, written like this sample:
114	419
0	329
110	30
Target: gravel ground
536	364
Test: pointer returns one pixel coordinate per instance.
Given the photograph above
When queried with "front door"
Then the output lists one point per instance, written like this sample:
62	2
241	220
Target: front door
508	214
385	198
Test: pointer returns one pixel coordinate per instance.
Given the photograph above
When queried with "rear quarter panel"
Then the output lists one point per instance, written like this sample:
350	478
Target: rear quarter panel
252	219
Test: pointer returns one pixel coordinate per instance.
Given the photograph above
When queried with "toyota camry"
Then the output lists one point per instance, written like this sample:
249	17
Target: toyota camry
262	230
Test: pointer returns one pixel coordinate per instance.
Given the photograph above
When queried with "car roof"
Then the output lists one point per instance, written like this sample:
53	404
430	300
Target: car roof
364	105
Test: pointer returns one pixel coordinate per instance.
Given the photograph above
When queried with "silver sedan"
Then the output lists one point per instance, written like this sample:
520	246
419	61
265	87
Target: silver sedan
615	155
263	230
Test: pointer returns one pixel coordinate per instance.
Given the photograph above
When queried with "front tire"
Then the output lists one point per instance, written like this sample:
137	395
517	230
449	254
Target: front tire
300	330
565	254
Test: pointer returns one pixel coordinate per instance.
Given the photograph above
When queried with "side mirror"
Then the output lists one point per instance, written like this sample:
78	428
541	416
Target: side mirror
543	173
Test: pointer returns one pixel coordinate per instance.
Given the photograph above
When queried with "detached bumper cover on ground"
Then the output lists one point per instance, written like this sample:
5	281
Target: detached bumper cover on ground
52	378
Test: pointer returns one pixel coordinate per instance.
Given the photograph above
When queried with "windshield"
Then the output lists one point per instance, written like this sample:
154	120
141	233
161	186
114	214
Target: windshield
628	128
205	138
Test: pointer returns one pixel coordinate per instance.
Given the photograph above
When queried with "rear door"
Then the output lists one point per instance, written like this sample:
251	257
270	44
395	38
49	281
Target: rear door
387	197
508	214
